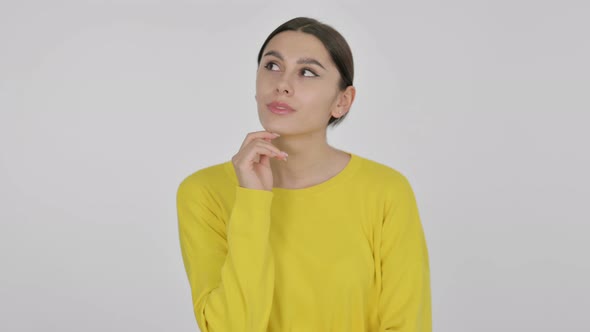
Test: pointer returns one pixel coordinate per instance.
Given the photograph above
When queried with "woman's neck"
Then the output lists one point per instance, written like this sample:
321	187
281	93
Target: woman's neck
311	161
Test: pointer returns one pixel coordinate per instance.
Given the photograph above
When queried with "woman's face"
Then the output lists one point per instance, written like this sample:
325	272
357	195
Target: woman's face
296	69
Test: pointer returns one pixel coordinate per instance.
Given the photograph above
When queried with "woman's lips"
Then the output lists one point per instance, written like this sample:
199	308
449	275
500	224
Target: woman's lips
280	108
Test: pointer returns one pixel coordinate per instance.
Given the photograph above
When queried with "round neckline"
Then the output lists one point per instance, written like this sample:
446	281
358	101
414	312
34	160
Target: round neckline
348	170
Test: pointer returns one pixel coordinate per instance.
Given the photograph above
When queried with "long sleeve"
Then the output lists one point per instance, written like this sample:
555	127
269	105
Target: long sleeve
405	300
229	263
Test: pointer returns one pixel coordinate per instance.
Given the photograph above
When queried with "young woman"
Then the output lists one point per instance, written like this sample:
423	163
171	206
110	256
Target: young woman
321	240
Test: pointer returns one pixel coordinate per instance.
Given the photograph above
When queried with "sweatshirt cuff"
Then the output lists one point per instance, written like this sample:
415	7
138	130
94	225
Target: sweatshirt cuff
251	212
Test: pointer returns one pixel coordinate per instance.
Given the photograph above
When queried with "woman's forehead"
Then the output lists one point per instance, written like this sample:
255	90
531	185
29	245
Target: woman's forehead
294	45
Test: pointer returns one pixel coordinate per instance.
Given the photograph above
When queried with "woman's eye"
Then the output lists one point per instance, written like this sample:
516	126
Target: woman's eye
312	73
269	65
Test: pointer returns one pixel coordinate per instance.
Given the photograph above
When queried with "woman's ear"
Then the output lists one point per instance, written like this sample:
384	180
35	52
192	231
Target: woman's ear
345	101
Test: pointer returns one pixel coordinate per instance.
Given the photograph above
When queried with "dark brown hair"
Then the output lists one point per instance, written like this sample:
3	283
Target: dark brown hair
333	42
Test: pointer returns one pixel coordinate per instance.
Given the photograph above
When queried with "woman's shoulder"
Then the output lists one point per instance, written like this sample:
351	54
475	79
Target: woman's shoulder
215	176
380	172
381	180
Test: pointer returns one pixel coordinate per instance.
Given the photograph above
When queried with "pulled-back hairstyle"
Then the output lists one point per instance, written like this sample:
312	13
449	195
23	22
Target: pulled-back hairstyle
333	42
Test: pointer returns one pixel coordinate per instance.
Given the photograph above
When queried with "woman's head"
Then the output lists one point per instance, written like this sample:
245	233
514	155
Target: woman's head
308	65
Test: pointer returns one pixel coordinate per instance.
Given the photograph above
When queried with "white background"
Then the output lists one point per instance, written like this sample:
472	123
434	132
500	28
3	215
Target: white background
105	106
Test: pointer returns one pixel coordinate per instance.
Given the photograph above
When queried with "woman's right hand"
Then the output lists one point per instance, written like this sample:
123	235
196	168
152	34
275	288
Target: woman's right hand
252	162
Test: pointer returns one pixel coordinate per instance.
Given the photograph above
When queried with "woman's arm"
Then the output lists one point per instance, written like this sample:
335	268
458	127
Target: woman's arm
405	301
229	263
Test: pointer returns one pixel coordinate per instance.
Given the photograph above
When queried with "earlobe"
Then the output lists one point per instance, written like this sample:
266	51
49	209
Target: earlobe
340	113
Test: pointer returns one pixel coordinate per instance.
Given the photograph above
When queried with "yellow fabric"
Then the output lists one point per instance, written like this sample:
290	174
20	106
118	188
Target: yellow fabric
348	254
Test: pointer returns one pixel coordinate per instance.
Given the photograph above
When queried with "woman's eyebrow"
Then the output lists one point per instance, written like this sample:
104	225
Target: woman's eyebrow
308	61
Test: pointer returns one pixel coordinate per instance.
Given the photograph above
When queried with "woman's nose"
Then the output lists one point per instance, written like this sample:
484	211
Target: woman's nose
282	89
283	86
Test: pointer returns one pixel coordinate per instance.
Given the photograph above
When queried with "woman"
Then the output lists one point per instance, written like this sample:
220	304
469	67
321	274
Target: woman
321	240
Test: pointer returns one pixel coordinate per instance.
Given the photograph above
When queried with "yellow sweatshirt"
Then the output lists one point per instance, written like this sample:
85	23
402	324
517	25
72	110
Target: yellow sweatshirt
348	254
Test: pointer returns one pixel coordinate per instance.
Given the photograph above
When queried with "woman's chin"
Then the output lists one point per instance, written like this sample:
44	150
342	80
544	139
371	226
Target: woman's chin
272	126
